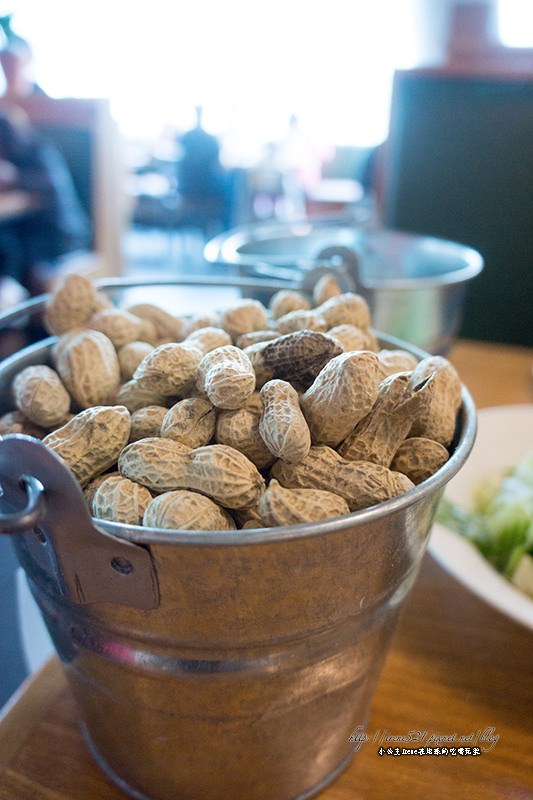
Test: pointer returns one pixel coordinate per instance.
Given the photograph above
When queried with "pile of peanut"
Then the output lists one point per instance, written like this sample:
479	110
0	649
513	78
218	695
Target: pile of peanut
252	417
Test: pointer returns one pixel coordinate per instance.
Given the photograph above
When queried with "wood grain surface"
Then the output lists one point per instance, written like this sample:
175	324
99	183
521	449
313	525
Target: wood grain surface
457	668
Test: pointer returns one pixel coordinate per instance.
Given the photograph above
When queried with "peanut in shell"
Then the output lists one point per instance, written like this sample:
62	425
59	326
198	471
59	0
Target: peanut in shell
296	357
341	395
187	511
92	441
377	436
282	506
120	500
282	425
360	483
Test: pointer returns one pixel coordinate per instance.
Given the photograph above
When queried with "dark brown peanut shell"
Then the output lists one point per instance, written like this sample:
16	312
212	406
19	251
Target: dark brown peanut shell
295	357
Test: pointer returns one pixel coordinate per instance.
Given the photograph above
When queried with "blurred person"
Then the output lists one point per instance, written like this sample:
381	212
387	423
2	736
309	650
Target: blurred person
16	60
55	224
202	182
199	169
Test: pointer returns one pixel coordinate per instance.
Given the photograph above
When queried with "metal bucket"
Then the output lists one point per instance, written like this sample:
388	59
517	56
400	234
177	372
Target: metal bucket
415	285
214	665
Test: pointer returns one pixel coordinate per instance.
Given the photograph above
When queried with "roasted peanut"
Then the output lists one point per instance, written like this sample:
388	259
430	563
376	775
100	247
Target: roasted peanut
190	421
92	441
351	338
70	305
220	472
148	332
118	325
285	301
101	301
254	403
199	321
207	339
419	458
167	327
88	366
325	288
240	429
17	422
62	343
169	369
437	418
244	317
300	320
130	356
226	376
342	394
345	309
120	500
146	422
396	361
282	425
187	511
379	434
134	397
156	463
295	357
40	395
90	490
225	475
280	506
360	483
256	336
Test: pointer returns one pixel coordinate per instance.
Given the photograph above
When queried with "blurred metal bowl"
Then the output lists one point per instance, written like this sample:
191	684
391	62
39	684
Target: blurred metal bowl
415	285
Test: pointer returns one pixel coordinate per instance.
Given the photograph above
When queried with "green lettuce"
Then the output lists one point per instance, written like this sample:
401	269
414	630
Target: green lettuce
500	522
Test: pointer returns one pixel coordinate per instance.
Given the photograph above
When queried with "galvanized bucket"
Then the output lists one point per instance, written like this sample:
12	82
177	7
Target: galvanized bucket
214	665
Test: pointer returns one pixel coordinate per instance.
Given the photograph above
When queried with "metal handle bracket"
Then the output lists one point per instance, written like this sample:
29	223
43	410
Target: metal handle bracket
43	505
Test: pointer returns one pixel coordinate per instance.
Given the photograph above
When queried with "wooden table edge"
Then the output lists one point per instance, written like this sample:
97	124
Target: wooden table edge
26	707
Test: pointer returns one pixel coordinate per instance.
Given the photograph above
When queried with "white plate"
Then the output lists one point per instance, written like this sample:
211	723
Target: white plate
505	436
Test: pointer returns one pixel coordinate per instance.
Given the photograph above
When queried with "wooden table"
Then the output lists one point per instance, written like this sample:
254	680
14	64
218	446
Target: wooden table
457	666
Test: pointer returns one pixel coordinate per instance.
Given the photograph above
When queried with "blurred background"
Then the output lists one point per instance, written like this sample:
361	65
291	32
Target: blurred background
287	110
176	122
165	124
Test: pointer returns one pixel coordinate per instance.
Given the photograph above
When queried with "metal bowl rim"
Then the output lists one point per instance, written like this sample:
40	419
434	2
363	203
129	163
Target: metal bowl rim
223	249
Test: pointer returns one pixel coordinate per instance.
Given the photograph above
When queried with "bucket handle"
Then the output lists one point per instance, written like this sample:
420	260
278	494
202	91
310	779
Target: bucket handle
345	264
31	515
43	507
